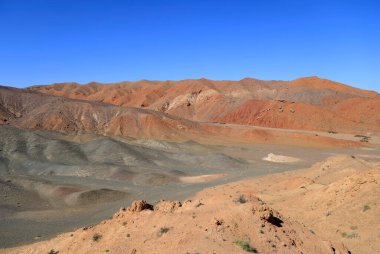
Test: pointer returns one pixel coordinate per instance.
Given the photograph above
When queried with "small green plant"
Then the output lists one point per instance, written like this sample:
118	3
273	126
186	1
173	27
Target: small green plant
349	235
245	246
96	237
124	223
53	251
164	230
366	207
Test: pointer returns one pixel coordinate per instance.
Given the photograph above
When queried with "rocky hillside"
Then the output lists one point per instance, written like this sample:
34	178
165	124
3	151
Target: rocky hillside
211	222
308	103
36	111
321	209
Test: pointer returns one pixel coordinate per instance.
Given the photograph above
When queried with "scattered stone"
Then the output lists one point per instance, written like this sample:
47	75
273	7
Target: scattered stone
217	222
167	206
140	205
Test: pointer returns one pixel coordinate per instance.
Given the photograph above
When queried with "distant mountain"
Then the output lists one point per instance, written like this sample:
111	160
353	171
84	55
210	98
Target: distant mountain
308	103
31	110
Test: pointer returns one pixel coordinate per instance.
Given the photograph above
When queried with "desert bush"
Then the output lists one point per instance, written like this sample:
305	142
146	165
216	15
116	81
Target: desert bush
349	235
199	204
241	199
96	237
245	246
164	230
363	138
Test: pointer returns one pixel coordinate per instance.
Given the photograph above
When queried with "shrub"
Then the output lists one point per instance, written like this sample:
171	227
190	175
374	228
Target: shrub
241	199
199	204
53	251
164	230
349	235
363	138
96	237
245	246
366	207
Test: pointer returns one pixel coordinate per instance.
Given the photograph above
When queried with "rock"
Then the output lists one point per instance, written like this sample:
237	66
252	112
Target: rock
165	106
139	205
217	222
167	206
265	213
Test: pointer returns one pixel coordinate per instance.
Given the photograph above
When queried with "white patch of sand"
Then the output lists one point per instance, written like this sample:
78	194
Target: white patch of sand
280	158
201	178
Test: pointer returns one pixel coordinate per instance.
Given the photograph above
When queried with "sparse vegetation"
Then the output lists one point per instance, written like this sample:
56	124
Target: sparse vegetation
354	227
245	246
52	251
366	207
241	199
199	204
164	230
363	138
96	237
349	235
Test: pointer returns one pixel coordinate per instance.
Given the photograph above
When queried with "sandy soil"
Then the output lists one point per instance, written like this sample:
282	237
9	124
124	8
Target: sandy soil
316	210
201	178
280	158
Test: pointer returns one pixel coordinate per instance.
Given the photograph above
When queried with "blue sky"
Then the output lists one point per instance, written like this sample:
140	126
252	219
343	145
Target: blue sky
51	41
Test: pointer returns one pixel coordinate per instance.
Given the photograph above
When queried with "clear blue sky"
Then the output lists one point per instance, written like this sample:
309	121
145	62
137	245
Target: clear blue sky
46	41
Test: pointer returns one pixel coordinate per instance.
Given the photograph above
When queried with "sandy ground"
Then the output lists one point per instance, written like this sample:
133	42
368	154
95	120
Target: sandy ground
201	178
280	158
331	207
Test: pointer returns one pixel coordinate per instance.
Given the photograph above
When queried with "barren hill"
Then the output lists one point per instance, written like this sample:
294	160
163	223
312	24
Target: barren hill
38	111
308	103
